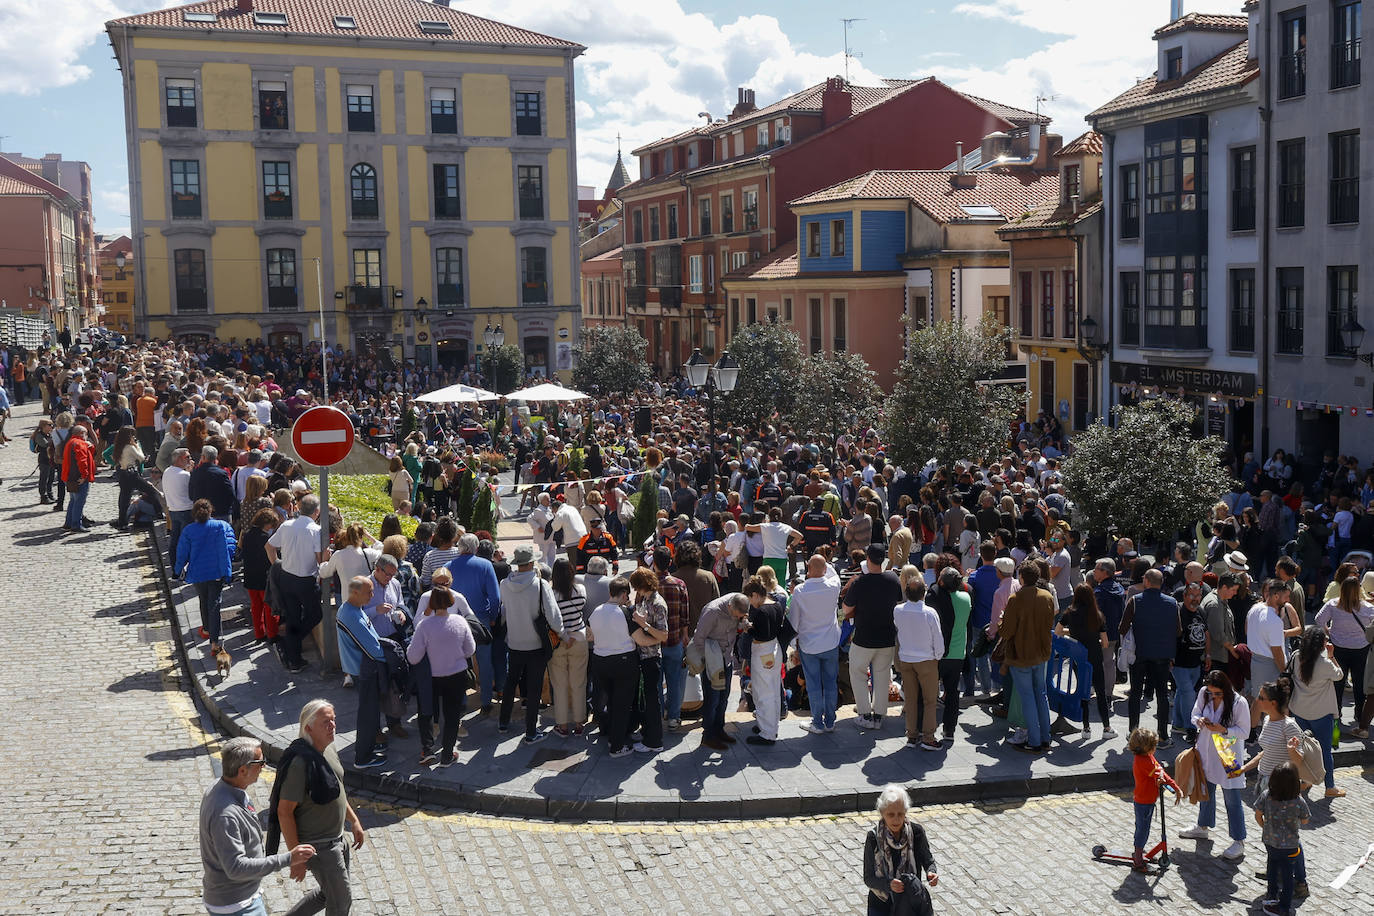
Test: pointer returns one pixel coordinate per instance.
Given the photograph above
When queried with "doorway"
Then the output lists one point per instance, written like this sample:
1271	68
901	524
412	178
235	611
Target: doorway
453	353
537	356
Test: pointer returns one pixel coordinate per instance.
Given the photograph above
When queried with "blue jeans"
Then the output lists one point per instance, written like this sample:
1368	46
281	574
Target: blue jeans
491	668
822	672
255	908
1322	729
1235	811
180	519
978	674
1279	871
673	679
76	505
1144	813
209	593
713	703
1030	684
1185	680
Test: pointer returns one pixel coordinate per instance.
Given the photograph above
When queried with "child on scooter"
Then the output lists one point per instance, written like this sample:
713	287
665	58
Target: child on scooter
1149	776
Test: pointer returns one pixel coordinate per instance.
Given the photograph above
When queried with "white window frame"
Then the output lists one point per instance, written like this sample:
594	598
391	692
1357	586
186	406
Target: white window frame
694	273
738	259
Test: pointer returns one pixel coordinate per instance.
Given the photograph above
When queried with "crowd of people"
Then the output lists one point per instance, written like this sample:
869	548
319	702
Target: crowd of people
782	569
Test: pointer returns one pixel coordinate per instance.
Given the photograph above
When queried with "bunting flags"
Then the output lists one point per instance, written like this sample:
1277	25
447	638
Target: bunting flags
1291	404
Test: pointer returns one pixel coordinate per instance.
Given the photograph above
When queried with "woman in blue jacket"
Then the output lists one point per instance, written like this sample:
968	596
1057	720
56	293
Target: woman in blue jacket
204	553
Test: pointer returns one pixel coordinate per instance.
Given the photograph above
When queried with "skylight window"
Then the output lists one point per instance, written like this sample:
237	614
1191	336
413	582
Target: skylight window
344	22
981	211
431	27
200	17
269	18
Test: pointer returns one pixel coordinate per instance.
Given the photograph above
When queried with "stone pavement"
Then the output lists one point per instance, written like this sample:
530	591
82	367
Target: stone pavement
113	830
575	778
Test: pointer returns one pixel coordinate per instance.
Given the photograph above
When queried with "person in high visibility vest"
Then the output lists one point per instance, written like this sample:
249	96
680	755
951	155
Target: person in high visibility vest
597	542
817	526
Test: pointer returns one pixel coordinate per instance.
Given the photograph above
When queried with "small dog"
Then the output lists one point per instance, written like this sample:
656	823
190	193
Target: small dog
222	662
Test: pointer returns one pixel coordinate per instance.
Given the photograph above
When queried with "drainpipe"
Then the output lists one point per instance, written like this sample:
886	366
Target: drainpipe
1266	129
1109	259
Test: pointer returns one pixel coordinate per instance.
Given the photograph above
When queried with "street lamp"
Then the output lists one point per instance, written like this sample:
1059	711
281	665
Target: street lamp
493	337
723	376
1093	352
1352	335
120	260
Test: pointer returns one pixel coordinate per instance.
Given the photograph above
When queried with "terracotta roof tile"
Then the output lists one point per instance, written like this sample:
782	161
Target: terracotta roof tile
1052	215
14	187
779	264
1017	116
1012	193
373	18
1205	22
1228	69
1088	143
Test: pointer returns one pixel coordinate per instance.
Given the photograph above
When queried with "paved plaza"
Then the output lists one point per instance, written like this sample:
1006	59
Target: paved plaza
105	755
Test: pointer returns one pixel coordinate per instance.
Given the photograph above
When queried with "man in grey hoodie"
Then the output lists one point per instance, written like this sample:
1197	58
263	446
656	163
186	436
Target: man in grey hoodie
527	602
231	848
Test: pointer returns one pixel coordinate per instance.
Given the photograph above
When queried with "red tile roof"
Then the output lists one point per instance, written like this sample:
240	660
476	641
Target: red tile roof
15	179
1011	192
1017	116
1229	69
1205	22
373	18
779	264
1052	215
1088	143
14	187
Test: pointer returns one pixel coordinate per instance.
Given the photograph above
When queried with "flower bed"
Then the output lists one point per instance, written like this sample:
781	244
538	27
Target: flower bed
362	498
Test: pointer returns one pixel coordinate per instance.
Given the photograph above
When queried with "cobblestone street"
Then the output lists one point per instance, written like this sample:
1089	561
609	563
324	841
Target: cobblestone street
104	759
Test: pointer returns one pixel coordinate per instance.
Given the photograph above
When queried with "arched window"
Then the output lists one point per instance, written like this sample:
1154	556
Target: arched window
363	191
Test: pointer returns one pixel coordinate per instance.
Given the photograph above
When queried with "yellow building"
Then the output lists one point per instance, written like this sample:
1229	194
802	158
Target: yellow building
117	293
411	165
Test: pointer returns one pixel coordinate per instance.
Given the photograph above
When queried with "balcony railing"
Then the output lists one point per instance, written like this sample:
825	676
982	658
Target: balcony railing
450	294
670	296
276	206
1345	200
1243	209
447	208
369	298
185	206
1293	75
534	292
1345	64
191	299
1291	204
364	208
1243	328
282	299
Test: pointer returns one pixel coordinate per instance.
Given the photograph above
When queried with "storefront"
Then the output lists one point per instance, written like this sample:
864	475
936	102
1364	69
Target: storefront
1225	399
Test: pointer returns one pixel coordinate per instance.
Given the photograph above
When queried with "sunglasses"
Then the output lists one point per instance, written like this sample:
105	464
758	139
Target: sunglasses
259	762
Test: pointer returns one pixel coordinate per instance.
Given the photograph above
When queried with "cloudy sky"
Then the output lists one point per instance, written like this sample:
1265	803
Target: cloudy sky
649	68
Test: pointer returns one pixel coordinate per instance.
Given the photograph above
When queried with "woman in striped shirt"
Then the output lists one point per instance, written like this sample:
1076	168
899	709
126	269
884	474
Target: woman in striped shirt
568	667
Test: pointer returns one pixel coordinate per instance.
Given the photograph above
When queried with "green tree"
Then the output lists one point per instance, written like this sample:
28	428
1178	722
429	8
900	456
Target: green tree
410	422
769	356
1149	475
941	407
834	394
646	511
462	512
510	367
611	360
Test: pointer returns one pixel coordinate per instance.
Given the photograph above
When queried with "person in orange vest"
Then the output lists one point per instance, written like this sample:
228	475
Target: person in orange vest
597	542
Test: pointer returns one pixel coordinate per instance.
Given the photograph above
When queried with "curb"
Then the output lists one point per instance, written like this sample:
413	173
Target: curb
418	793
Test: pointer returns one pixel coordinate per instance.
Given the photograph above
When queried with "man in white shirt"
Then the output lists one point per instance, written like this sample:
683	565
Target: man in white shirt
812	611
538	521
1264	636
176	494
921	645
777	537
297	542
568	520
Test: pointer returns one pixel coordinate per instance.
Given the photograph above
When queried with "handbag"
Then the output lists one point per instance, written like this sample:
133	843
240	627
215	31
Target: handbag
548	638
469	677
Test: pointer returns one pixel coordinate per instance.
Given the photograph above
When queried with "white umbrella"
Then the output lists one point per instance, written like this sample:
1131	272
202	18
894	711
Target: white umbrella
547	391
457	394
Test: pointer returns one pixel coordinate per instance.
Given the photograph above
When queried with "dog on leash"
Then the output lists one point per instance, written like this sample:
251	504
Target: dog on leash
222	662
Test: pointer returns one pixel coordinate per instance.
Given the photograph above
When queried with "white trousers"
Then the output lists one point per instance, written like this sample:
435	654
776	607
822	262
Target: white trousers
766	686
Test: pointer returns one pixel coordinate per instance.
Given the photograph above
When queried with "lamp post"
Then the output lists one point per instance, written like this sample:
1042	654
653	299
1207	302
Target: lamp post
493	337
1093	352
722	376
1352	335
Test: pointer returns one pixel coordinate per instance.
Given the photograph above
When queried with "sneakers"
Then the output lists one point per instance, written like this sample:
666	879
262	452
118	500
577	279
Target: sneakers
503	728
1195	832
642	748
1020	736
428	756
1108	732
1360	733
674	724
623	752
536	737
371	763
912	743
1086	734
1234	851
1271	908
813	728
446	762
1165	743
930	745
462	730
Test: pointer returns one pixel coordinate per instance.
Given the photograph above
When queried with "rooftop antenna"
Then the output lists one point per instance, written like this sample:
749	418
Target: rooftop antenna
847	53
1041	97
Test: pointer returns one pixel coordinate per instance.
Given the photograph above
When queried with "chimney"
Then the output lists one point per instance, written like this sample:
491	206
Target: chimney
745	105
1175	10
959	156
245	6
837	104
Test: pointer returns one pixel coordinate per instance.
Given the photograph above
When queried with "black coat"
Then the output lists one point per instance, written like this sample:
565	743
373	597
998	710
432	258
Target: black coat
252	548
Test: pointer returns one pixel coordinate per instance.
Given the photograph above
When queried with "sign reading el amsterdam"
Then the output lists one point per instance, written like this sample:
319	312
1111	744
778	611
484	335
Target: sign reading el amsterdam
1197	381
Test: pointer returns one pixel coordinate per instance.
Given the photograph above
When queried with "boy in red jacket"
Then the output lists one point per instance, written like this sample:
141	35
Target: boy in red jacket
1149	776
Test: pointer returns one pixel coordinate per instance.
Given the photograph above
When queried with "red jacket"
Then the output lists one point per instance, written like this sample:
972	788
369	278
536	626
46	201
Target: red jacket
81	452
1148	776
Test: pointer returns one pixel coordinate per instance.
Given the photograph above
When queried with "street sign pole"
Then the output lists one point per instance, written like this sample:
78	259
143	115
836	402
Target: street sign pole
323	436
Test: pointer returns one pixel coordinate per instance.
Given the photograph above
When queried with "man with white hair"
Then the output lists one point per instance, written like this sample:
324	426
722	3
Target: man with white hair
231	841
538	520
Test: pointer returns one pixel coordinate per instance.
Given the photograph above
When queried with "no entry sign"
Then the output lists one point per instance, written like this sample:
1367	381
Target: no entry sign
322	436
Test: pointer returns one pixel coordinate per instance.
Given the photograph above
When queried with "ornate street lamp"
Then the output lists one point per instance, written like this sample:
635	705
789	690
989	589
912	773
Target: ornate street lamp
723	377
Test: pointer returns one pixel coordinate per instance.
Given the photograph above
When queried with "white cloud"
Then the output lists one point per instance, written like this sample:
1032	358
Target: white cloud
41	40
113	202
1087	52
